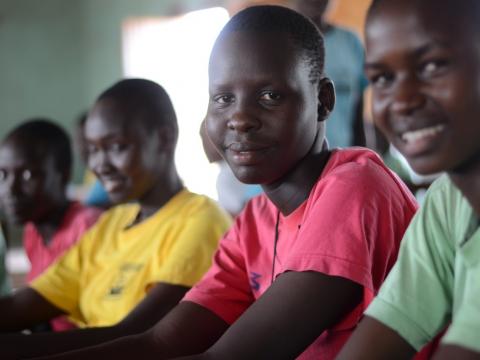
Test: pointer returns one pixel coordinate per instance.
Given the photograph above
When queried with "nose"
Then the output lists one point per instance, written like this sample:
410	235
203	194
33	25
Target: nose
11	185
242	118
407	96
99	162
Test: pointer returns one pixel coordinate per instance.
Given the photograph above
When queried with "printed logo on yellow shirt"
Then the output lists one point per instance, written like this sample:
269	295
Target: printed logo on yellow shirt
125	275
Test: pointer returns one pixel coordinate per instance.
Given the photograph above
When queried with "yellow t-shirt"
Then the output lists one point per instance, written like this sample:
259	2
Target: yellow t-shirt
107	273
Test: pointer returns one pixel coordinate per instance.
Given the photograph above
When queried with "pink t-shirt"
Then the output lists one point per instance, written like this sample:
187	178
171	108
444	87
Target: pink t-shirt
350	226
76	221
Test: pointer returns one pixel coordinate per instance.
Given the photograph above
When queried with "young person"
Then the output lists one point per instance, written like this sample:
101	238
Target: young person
35	167
293	275
423	60
147	252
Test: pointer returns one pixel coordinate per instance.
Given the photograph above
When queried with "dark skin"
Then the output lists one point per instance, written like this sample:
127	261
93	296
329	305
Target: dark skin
424	69
32	188
134	165
316	11
249	121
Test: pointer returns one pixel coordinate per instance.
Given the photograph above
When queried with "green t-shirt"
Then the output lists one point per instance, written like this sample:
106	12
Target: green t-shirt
436	280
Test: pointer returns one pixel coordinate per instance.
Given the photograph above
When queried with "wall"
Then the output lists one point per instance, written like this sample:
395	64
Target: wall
41	61
57	55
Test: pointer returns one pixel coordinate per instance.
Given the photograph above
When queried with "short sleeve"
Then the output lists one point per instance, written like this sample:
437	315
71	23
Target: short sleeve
60	284
353	227
194	245
225	288
464	329
416	298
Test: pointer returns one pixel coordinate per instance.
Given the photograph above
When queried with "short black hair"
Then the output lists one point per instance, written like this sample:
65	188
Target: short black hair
50	137
145	101
305	35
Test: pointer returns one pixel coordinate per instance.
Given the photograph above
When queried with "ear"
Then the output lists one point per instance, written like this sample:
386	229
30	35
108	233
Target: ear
66	174
326	98
167	139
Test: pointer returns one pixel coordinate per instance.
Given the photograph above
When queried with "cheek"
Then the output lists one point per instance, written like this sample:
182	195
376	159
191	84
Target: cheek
124	162
379	113
215	132
36	190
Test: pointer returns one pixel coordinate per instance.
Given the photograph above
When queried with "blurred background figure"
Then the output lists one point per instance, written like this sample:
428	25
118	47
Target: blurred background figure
232	193
35	166
5	286
344	65
91	191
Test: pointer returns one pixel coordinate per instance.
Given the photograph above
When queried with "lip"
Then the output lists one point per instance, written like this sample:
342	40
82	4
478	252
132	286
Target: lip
112	184
246	153
420	140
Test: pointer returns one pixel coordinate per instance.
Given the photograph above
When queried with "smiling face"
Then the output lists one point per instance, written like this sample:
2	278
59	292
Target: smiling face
423	62
122	153
30	184
262	114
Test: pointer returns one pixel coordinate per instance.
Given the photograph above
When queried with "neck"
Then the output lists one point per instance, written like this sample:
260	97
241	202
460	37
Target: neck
468	181
294	188
48	226
157	197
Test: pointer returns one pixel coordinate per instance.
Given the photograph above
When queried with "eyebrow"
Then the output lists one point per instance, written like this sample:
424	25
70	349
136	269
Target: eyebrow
418	52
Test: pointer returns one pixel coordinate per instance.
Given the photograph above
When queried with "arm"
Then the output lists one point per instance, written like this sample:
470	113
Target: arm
364	344
291	314
161	299
447	352
288	317
24	309
188	323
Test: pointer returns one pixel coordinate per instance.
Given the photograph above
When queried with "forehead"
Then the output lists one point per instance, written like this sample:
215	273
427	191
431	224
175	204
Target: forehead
242	54
108	118
16	153
395	23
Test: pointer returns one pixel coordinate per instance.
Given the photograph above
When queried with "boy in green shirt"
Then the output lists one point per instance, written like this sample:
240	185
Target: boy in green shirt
423	61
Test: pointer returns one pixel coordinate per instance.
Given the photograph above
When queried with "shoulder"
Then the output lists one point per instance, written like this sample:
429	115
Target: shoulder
445	205
357	165
360	174
444	197
188	203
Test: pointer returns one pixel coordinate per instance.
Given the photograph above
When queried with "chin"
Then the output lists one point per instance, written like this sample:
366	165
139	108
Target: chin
118	198
426	167
249	177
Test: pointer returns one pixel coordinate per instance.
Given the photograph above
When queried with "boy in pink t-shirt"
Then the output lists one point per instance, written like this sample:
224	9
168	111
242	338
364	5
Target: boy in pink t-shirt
293	275
35	162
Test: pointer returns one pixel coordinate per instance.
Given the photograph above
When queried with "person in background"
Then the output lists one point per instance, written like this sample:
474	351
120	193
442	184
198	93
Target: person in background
5	286
423	61
143	254
91	191
35	167
344	56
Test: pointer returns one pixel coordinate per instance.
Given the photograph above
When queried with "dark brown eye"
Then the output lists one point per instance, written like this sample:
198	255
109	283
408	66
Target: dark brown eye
270	96
26	175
